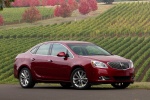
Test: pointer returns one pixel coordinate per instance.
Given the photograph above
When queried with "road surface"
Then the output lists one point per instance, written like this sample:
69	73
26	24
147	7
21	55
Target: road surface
15	92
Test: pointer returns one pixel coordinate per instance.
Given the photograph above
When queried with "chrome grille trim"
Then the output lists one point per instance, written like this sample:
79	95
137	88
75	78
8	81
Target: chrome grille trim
119	65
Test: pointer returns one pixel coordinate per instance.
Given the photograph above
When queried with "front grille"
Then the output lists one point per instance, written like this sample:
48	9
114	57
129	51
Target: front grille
122	78
119	65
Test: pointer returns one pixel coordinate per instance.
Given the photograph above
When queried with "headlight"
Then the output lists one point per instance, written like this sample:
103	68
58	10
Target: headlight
98	64
131	64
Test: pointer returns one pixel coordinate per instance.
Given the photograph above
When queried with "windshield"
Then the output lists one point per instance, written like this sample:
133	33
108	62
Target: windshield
87	49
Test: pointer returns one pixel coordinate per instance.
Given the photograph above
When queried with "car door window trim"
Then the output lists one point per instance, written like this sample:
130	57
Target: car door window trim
64	47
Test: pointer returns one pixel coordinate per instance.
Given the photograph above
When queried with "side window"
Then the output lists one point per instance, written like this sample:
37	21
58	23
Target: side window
59	48
34	50
43	49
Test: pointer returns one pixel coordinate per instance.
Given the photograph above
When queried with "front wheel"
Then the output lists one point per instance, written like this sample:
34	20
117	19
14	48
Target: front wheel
25	78
120	85
79	79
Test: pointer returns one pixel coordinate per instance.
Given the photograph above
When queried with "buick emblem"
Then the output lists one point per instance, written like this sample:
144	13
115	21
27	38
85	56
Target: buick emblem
121	64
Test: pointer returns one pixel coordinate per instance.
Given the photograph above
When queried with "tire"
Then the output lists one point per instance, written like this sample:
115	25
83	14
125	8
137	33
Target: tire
25	78
79	79
65	85
120	85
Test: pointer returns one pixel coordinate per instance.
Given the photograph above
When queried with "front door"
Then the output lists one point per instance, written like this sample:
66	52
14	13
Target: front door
60	66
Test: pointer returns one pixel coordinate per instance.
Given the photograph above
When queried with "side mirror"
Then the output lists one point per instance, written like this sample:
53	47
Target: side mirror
62	54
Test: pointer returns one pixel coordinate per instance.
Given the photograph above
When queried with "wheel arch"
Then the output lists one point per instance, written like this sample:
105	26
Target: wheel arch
30	80
21	67
75	67
86	68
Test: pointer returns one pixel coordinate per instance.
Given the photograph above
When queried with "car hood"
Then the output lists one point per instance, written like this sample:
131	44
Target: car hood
112	58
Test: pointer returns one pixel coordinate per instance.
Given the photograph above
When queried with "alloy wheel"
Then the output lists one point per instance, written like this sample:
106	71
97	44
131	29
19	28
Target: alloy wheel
25	78
79	79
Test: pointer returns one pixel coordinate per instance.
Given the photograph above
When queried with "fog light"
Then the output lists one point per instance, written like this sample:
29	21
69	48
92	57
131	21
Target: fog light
104	78
100	78
132	77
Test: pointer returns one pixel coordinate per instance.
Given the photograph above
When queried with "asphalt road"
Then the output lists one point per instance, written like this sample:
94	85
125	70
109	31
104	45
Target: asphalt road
15	92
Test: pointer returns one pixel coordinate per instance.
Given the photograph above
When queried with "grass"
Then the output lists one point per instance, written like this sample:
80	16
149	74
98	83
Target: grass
140	85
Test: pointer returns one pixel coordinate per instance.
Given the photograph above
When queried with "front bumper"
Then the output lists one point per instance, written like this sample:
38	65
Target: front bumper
110	75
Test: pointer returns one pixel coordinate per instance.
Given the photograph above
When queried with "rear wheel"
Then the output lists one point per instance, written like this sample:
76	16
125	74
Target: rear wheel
65	85
120	85
25	78
79	79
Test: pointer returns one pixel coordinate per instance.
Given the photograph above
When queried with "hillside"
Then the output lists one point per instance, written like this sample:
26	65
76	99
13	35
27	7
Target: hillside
123	30
13	19
123	19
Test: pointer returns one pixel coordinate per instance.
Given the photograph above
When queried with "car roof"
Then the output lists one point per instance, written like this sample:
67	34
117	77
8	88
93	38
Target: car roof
66	42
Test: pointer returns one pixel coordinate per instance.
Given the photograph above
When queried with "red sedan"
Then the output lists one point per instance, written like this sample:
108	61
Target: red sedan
72	63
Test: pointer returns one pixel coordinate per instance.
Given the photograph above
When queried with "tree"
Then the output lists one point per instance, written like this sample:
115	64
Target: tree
67	7
44	2
1	5
17	3
61	2
73	4
65	10
52	2
57	11
84	7
33	2
108	1
7	2
31	14
93	5
25	3
1	20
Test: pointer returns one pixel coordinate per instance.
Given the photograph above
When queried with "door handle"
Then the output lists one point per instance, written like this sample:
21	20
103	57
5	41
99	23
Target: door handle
49	60
32	59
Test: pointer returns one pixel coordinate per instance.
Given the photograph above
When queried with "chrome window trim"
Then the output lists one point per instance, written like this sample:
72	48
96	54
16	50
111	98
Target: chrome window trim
36	46
63	46
50	50
42	45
